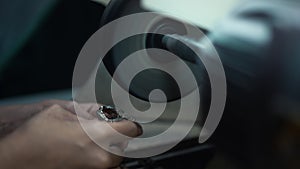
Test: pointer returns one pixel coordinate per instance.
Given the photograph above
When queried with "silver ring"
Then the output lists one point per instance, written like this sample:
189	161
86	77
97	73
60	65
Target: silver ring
110	114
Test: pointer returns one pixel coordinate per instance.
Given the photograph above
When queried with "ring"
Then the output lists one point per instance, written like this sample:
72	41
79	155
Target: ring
110	114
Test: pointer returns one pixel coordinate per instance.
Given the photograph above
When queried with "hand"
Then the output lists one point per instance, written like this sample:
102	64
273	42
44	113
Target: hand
54	139
11	117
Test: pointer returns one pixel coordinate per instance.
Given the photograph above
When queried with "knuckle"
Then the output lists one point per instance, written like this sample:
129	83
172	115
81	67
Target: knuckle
107	160
103	160
54	107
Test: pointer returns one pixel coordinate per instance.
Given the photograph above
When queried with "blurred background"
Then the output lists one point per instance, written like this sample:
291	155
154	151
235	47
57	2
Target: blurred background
41	39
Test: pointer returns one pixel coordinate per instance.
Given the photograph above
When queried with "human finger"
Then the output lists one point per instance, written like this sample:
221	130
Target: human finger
71	106
128	128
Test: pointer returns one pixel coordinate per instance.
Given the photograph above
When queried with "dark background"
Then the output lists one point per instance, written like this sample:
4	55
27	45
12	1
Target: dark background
44	59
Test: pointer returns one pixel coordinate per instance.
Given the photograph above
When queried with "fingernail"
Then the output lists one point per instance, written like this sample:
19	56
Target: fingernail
139	127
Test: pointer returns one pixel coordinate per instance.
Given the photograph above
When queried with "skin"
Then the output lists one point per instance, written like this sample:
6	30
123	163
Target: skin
52	138
11	117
